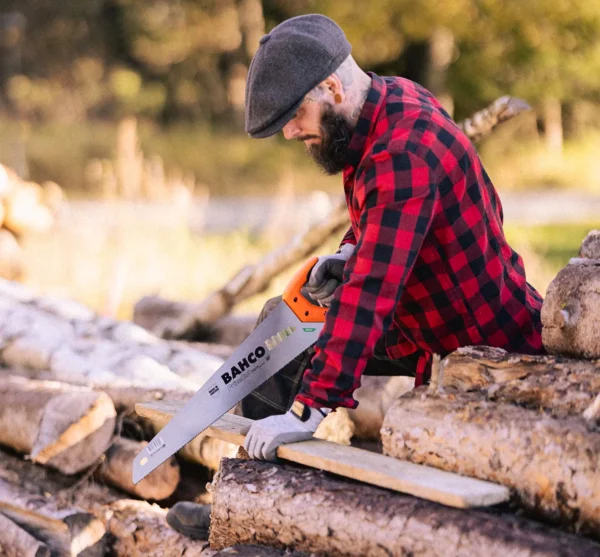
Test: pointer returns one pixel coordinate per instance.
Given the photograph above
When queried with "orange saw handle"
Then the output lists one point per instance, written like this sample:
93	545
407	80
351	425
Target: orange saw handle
303	308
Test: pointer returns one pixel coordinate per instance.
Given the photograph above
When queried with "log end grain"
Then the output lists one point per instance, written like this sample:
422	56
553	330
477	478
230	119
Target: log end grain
571	312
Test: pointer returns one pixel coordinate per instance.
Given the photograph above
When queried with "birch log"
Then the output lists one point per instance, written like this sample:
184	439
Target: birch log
551	464
305	510
67	531
571	310
57	425
16	542
559	385
46	334
117	470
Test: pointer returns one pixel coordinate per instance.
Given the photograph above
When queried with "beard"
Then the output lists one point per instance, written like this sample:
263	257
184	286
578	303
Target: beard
331	153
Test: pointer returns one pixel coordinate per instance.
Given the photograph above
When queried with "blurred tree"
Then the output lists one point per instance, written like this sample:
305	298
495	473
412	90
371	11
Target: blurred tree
187	59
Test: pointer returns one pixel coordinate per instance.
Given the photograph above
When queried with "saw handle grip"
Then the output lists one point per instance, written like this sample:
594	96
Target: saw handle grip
304	309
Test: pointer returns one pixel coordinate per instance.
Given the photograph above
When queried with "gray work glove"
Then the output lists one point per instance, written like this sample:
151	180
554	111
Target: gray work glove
297	424
327	275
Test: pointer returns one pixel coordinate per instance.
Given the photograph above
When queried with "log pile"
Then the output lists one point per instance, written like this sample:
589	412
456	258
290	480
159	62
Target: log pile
24	207
571	312
310	511
69	381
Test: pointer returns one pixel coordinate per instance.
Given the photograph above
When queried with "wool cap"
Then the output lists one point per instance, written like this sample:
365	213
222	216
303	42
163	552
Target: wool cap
291	60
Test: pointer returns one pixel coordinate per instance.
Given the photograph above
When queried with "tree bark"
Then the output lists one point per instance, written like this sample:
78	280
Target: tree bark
551	464
256	551
484	121
590	247
571	311
65	427
141	529
560	386
305	510
118	468
67	531
16	542
74	344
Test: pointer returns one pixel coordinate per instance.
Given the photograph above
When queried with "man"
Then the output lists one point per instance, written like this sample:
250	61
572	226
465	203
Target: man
425	267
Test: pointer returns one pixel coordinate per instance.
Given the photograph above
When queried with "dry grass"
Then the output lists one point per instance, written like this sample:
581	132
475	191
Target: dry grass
109	255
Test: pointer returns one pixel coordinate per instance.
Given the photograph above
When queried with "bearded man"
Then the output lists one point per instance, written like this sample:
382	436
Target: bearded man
424	268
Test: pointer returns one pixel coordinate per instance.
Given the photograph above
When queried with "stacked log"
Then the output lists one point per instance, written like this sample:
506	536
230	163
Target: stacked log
117	470
55	509
16	542
66	341
551	464
65	530
305	510
24	207
58	425
558	385
571	311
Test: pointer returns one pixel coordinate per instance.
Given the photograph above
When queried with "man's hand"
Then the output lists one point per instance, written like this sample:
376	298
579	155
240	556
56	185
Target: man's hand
298	424
327	275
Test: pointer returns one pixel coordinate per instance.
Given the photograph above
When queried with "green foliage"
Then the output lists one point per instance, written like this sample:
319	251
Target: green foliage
174	59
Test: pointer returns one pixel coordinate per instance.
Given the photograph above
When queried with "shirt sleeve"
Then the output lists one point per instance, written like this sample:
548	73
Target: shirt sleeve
398	200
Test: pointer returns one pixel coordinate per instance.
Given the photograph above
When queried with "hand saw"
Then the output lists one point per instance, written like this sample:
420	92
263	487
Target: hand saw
288	330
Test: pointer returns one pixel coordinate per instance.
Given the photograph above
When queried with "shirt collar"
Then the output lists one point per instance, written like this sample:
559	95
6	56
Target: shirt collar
366	121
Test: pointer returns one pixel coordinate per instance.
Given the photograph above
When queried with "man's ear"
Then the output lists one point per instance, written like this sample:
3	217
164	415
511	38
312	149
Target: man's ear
334	89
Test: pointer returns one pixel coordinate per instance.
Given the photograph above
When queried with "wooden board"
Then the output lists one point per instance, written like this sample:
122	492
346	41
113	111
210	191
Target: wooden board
421	481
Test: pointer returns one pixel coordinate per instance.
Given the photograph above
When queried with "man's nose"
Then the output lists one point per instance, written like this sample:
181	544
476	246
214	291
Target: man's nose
290	130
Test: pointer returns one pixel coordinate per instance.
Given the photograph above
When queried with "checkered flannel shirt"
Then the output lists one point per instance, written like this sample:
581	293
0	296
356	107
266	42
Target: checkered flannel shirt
432	270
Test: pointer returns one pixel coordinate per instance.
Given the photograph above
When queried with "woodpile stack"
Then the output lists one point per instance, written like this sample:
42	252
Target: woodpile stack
24	207
69	381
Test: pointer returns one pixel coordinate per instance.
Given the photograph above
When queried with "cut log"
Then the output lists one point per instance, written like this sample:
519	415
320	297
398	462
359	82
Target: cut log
25	210
552	465
118	468
374	396
305	510
16	542
357	464
571	311
57	425
11	256
590	247
561	386
138	527
67	531
484	121
74	344
141	529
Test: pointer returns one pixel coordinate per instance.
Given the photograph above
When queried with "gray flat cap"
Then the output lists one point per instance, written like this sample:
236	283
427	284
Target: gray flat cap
290	61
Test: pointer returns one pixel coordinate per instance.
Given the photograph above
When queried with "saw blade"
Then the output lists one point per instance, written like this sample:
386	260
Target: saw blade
274	343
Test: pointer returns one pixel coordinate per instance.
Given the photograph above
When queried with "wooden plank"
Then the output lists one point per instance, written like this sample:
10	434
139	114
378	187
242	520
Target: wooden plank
376	469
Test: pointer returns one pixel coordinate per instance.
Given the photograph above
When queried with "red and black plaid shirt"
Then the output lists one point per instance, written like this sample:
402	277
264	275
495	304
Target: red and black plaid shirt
432	270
